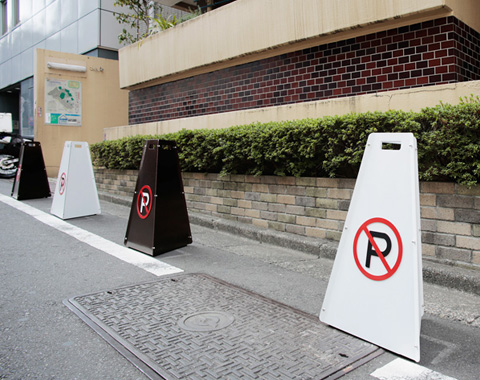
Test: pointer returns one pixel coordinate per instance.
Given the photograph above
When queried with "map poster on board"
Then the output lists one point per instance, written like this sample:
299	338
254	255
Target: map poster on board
63	102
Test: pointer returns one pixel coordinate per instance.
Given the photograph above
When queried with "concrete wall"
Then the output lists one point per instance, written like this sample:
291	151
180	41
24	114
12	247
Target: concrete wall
411	99
250	30
103	103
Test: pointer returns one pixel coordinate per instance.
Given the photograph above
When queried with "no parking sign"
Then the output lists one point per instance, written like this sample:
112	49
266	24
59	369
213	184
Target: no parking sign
144	202
158	219
392	250
375	290
76	191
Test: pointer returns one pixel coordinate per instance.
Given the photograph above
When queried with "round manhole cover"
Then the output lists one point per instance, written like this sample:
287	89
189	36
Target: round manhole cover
206	321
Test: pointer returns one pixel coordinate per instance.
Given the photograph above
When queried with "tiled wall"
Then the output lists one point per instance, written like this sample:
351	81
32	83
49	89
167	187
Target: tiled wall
60	25
429	53
317	207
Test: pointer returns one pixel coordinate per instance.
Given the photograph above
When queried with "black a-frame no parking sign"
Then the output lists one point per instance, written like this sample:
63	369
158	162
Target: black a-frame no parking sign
31	180
158	219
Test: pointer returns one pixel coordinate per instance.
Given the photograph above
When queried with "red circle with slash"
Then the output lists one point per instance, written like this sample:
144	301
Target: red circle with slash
389	270
63	183
144	202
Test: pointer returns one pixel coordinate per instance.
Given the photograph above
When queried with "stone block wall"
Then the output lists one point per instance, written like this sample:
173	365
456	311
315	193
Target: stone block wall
317	207
116	182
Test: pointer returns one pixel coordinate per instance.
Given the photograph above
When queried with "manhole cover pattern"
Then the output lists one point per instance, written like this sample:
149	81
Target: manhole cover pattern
206	321
265	339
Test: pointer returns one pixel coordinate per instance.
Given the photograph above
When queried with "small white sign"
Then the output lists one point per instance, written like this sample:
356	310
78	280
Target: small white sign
375	291
6	122
76	191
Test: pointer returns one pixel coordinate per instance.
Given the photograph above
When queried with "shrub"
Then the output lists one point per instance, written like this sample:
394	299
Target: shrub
448	139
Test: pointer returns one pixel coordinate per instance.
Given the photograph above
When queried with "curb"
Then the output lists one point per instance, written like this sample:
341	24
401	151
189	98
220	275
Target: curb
443	274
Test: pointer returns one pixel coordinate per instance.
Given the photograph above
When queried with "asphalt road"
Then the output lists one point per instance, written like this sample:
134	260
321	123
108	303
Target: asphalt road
42	266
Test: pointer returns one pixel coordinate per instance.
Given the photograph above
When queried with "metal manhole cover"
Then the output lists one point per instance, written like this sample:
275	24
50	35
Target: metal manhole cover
194	326
206	321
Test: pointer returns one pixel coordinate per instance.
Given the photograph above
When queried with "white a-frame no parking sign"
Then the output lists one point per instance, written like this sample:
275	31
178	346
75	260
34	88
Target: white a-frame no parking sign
76	191
375	291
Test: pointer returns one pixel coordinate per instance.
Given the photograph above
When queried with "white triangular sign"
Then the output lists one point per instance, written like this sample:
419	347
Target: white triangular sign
76	191
375	291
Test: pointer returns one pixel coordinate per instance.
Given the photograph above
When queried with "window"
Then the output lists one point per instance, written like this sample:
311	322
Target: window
3	16
15	12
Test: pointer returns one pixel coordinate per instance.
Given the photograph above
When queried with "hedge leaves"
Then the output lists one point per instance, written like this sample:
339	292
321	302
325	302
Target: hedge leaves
448	140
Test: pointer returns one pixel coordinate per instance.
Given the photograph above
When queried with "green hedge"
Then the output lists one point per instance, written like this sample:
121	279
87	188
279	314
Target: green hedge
448	140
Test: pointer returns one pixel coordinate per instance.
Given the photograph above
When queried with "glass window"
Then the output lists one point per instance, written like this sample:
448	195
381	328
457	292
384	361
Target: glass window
15	12
3	16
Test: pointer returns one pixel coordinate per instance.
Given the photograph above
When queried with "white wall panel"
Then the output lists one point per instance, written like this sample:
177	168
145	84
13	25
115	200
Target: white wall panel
16	41
69	12
37	6
108	5
87	6
110	29
47	2
68	39
41	45
5	73
27	34
52	18
53	42
15	69
5	52
39	27
72	26
26	67
88	32
26	9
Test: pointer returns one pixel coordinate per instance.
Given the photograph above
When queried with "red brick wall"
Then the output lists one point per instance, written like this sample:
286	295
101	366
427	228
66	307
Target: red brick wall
429	53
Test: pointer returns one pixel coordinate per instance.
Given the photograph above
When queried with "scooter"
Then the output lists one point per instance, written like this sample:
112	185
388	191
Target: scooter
10	144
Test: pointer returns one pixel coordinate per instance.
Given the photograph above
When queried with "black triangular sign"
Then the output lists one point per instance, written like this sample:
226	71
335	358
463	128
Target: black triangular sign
158	219
31	180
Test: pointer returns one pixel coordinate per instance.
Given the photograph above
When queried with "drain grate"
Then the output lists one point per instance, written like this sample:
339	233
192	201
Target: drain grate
194	326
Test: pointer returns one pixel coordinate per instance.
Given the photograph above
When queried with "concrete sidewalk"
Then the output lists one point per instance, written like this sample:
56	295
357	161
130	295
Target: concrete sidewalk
43	268
451	292
450	276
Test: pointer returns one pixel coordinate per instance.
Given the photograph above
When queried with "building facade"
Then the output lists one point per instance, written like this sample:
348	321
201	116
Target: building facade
70	26
249	61
86	27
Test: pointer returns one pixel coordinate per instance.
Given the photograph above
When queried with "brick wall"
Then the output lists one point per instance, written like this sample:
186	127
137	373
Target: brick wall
317	207
116	182
429	53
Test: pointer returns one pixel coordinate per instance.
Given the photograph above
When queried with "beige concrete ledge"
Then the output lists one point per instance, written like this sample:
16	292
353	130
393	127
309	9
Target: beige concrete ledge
407	100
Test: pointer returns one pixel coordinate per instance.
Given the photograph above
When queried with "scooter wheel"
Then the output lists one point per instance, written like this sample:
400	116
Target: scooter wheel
8	169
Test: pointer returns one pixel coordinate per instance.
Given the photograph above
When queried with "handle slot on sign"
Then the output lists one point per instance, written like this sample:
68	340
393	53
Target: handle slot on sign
151	146
391	146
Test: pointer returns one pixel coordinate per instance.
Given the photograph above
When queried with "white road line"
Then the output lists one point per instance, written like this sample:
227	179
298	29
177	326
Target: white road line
401	369
130	256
